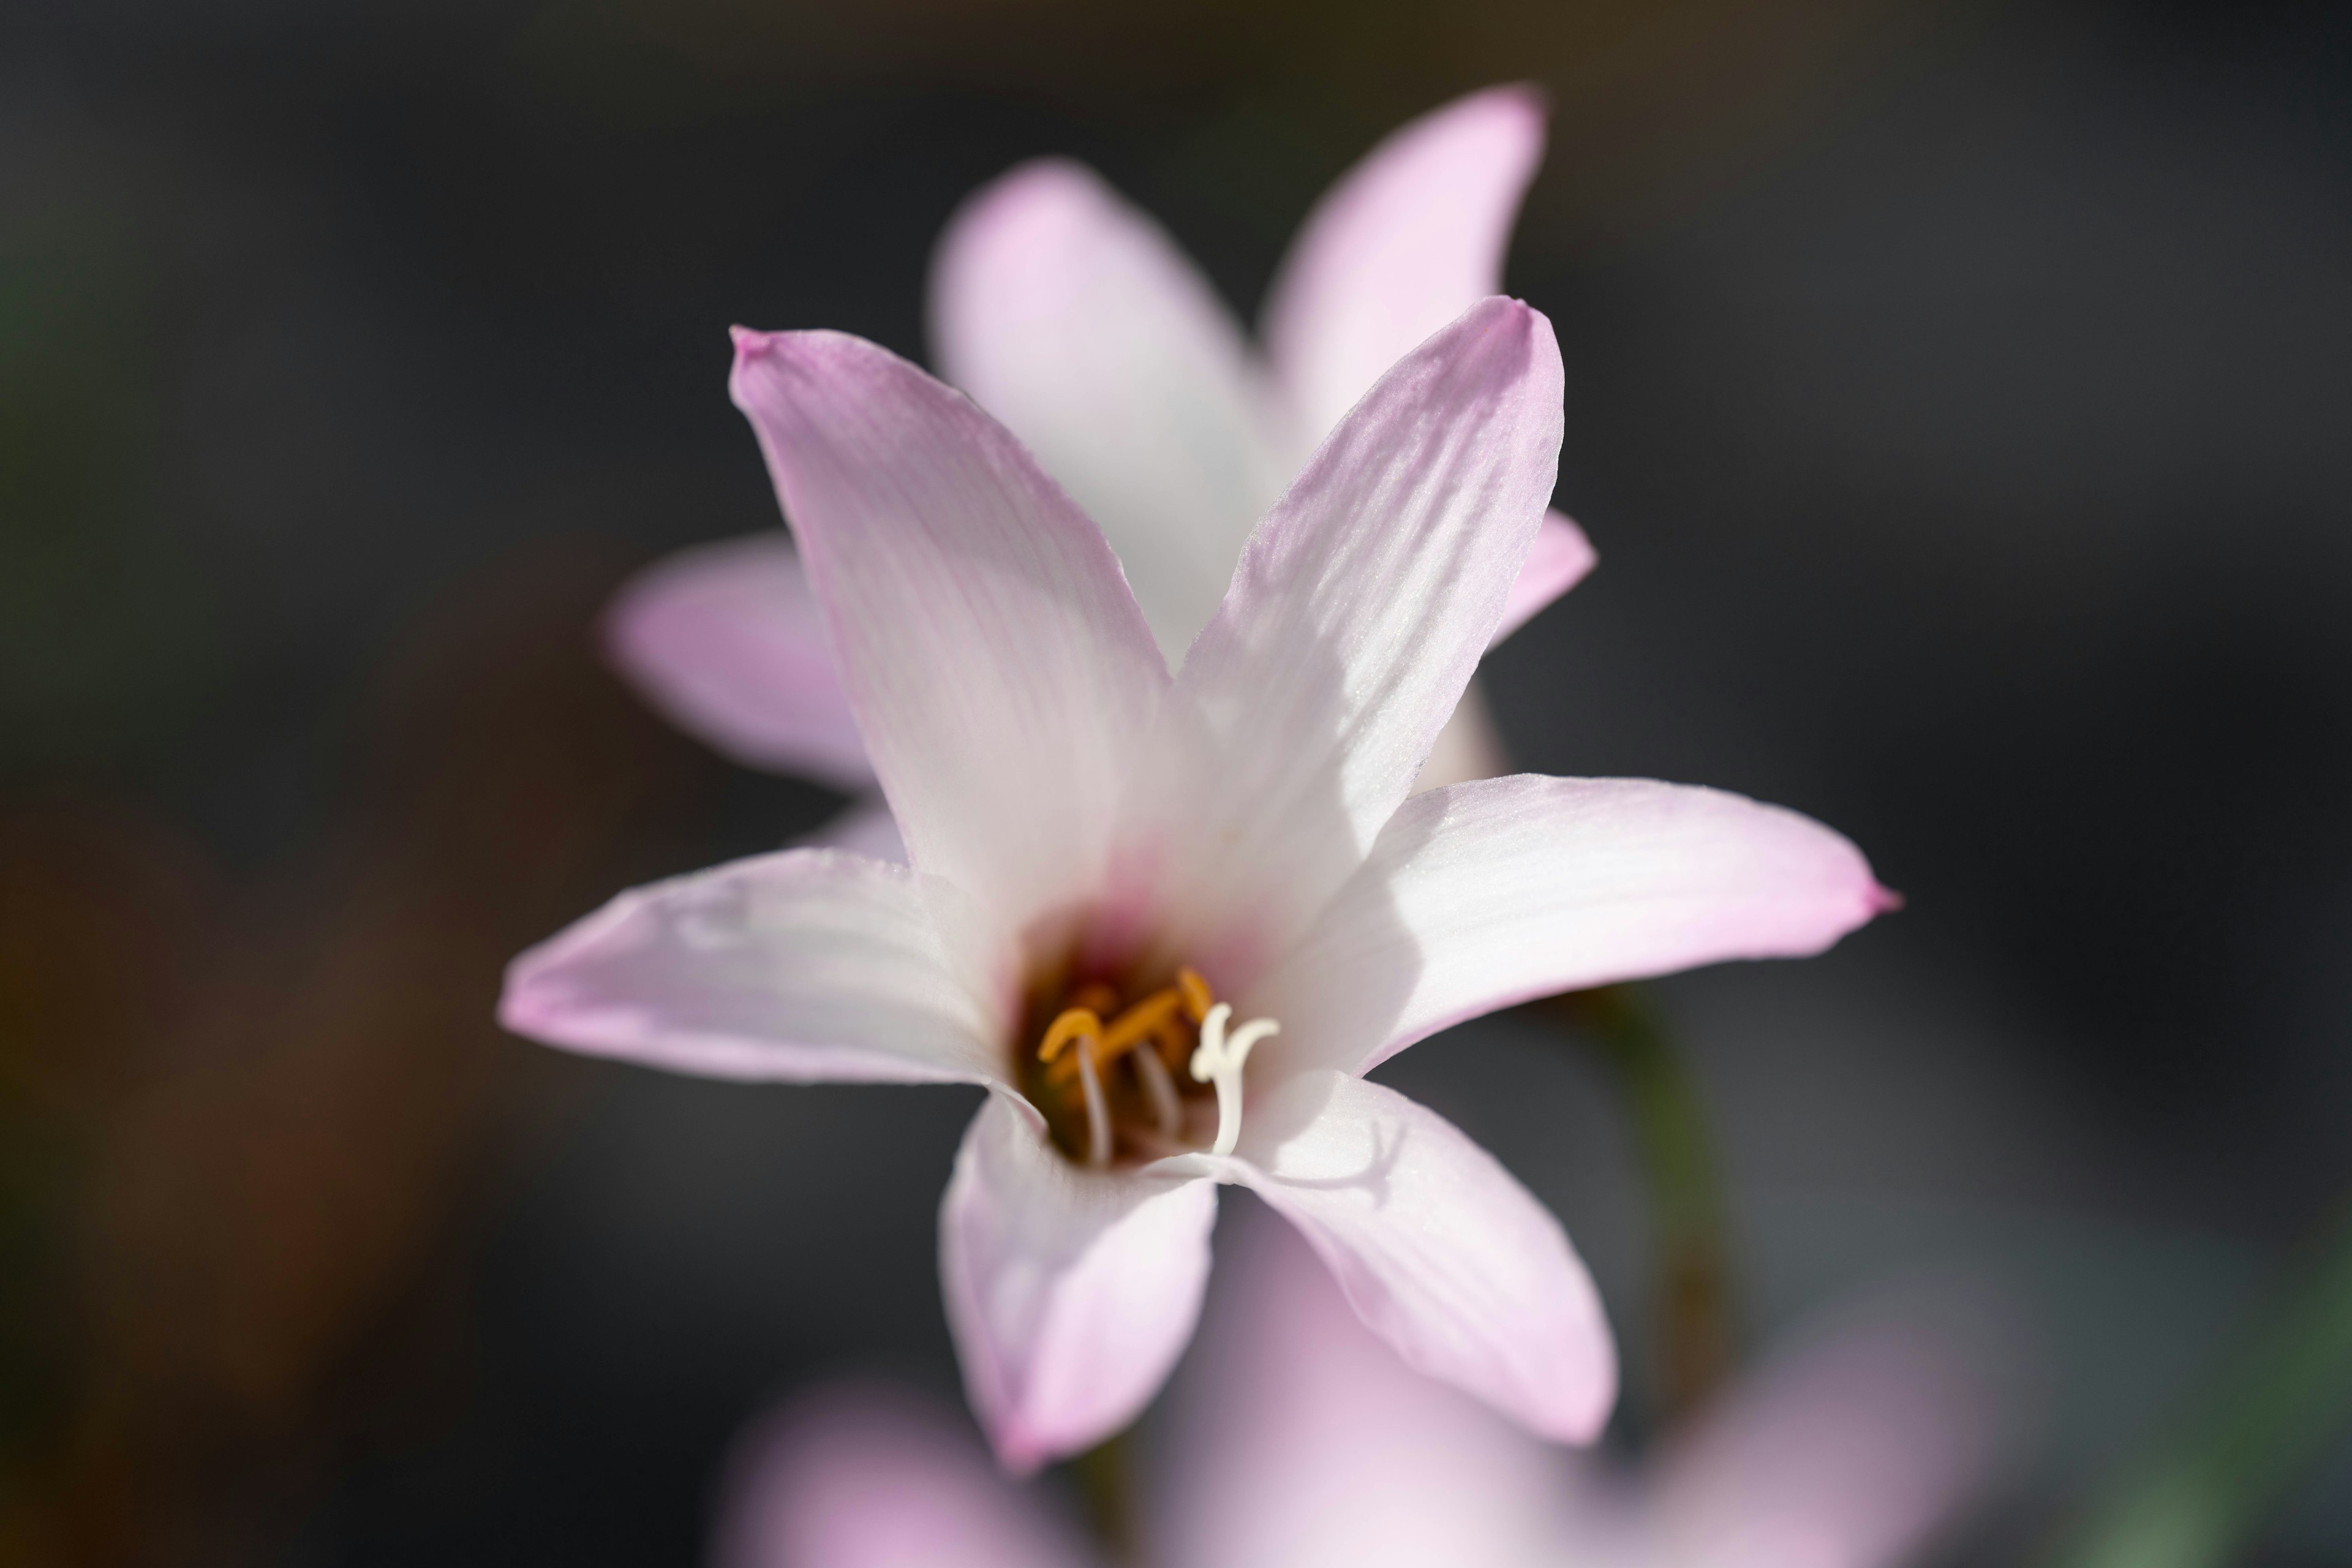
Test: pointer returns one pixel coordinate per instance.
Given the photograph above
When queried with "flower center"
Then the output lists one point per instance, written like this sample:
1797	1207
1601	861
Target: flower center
1106	1072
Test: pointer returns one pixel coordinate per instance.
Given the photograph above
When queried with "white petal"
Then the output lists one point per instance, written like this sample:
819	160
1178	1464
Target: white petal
1407	240
1073	317
1070	1292
1359	611
803	966
862	1476
1486	894
1439	1250
1468	747
726	640
1002	674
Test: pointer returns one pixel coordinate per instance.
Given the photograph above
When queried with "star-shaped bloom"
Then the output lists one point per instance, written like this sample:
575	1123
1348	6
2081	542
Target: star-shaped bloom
1122	884
1076	321
1299	1442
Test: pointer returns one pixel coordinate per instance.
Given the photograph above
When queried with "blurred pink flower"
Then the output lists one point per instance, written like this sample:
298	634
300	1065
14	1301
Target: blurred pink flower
1075	320
1099	852
1299	1442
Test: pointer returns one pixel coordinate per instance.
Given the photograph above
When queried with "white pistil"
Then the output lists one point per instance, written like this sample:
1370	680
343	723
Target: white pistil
1220	1060
1160	1086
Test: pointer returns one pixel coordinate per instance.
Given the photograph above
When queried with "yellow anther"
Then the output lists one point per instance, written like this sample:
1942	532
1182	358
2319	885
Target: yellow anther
1072	1024
1175	1043
1138	1024
1096	997
1198	998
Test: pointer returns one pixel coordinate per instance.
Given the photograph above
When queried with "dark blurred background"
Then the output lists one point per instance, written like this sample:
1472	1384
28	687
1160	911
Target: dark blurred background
1958	396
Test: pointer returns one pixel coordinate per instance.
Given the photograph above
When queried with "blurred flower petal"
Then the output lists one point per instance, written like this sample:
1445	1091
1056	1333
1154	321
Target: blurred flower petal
807	965
1467	748
868	1477
1407	240
1070	1292
1075	320
726	640
999	669
1846	1453
1440	1251
1557	561
1481	895
1302	1441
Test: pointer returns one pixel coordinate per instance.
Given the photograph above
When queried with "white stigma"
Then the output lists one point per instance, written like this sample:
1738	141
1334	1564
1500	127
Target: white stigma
1219	1060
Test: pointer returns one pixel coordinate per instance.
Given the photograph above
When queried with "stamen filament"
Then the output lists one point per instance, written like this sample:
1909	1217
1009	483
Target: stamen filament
1162	1090
1219	1061
1097	1112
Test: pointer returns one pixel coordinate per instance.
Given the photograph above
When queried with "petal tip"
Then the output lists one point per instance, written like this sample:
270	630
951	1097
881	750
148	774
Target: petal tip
1052	175
1508	119
1028	201
1020	1453
1883	900
1581	1410
1530	100
524	1008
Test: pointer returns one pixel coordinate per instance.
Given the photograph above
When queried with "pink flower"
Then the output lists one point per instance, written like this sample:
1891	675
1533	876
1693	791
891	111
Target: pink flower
1122	885
1075	320
1299	1442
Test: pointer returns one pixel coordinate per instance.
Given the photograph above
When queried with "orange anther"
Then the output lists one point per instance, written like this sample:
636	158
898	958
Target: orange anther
1138	1023
1198	998
1071	1024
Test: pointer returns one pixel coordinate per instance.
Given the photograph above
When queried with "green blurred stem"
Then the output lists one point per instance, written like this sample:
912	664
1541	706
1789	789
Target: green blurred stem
2199	1494
1685	1184
1101	1474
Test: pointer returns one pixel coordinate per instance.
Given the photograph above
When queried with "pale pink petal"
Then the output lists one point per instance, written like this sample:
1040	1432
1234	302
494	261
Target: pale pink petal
1468	747
1406	241
1002	674
1439	1250
804	965
1070	1292
1073	317
1486	894
863	827
1848	1454
1557	561
864	1476
1359	610
725	640
1302	1441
